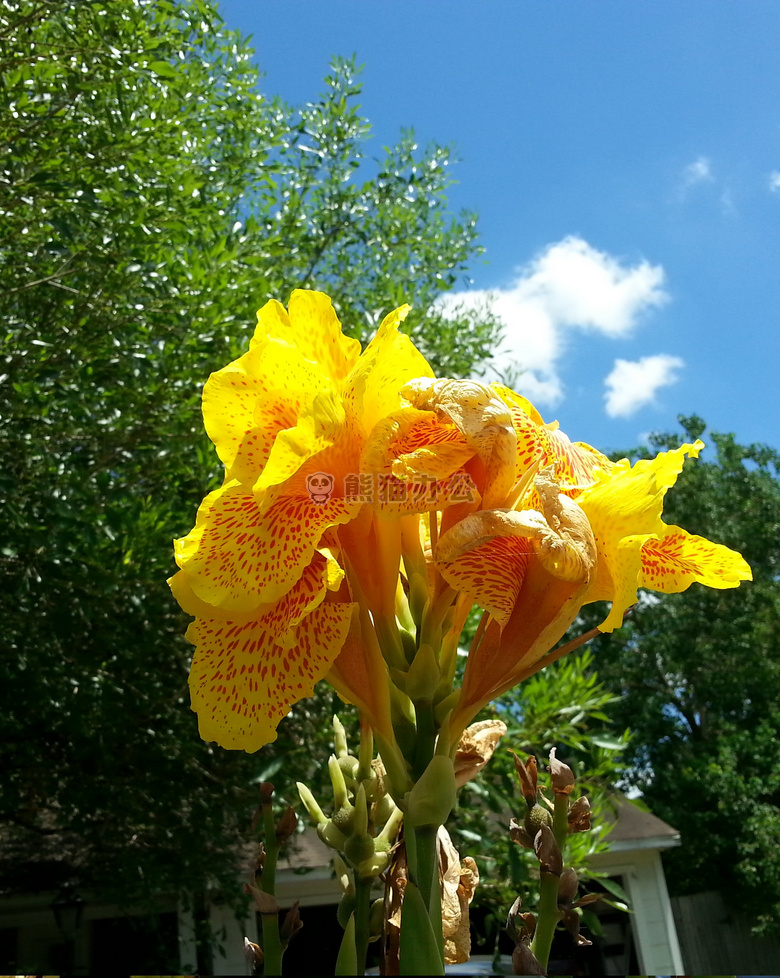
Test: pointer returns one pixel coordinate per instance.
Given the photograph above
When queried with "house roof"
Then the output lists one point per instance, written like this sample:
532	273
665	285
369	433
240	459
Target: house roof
638	829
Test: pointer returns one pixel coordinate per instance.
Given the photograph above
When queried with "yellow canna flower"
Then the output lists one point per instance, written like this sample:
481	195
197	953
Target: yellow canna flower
289	420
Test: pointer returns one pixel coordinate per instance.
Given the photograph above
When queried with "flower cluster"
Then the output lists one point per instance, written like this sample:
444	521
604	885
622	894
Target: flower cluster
292	578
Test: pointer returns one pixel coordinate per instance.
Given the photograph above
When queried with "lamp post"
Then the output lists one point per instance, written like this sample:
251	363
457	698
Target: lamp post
68	907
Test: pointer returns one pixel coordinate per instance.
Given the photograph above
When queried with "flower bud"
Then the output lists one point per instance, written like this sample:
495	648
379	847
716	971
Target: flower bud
359	849
535	818
339	738
433	797
423	676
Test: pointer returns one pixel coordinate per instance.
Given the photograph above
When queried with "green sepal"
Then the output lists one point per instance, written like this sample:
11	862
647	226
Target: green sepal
346	962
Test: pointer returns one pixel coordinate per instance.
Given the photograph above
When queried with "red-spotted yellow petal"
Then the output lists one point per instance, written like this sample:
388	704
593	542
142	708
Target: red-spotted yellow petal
249	402
559	540
575	464
319	426
624	509
239	557
312	327
673	562
413	463
244	678
323	574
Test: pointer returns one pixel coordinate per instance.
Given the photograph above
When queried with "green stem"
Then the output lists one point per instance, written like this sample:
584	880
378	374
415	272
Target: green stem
548	914
560	824
272	943
426	737
423	951
547	918
362	911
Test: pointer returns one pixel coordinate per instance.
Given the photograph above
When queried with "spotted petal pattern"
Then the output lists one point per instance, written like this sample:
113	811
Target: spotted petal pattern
245	676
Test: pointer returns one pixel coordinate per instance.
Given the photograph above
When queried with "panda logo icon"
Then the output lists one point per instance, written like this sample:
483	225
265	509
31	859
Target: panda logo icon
319	485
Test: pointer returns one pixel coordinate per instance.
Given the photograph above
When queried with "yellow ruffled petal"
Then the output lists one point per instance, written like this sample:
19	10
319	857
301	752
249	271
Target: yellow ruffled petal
239	557
247	404
311	325
319	426
373	388
624	509
323	574
244	680
673	562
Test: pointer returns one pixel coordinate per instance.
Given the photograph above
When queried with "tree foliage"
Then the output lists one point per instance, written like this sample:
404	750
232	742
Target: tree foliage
698	679
150	201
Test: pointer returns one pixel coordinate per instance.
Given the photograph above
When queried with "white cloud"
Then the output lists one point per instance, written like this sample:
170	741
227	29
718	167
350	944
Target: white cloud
569	285
774	181
700	171
633	383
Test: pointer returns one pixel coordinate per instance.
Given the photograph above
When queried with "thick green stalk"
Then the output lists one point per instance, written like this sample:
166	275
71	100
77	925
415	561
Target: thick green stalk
548	913
547	918
362	912
272	943
422	943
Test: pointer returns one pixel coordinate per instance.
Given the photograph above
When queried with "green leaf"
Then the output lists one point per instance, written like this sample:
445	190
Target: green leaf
163	68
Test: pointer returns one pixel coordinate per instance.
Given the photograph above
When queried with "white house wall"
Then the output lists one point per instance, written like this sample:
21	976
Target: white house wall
658	949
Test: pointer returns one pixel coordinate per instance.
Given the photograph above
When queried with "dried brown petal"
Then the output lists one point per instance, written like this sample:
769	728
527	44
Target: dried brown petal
518	834
520	926
266	792
561	775
567	886
264	902
254	957
291	924
548	852
579	815
286	825
527	773
476	747
571	921
586	899
524	962
459	881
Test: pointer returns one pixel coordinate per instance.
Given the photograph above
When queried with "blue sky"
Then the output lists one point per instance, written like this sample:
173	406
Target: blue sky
624	161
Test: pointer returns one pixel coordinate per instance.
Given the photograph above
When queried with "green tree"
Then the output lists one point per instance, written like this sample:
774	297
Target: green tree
150	200
698	679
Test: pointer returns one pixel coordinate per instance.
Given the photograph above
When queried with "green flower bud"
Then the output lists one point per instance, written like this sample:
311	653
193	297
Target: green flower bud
339	737
376	918
536	818
424	676
359	848
345	910
344	818
433	797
